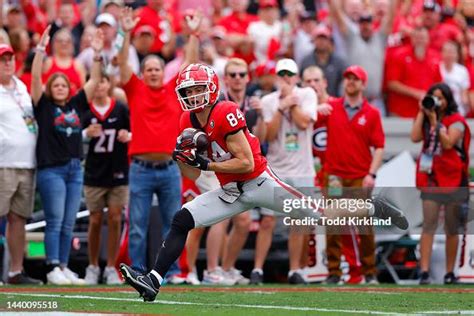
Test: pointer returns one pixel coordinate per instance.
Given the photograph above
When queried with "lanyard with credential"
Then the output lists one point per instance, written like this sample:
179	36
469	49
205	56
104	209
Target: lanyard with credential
27	117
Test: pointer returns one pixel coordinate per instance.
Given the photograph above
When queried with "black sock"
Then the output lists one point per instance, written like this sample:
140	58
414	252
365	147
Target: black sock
174	243
50	266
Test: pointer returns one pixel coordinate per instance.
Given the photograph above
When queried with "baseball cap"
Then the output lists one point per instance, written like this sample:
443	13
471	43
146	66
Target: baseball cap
14	8
107	2
322	30
267	4
218	32
145	29
5	49
266	68
286	64
307	15
430	5
357	71
106	18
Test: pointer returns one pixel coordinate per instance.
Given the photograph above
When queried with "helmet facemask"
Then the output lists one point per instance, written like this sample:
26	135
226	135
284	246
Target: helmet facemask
196	102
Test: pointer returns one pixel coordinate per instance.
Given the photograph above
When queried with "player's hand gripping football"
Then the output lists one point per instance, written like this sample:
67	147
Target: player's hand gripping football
189	145
191	158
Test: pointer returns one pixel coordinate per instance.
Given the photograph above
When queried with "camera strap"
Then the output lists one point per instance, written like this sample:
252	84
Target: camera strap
433	139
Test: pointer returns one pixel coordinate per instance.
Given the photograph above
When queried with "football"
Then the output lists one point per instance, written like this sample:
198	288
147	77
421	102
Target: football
192	138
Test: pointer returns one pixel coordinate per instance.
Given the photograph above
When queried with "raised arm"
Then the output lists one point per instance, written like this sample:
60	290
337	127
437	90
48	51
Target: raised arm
97	45
390	17
37	67
337	13
1	13
127	23
88	12
191	51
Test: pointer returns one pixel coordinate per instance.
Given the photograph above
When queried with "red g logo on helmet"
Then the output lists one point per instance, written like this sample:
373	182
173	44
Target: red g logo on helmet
197	75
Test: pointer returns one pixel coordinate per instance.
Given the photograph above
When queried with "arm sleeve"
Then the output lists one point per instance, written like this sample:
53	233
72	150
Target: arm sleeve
352	28
79	101
267	108
394	68
309	103
466	81
131	88
377	136
40	107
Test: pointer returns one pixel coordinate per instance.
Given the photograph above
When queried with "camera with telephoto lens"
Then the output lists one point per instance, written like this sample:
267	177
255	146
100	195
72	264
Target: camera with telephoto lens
430	102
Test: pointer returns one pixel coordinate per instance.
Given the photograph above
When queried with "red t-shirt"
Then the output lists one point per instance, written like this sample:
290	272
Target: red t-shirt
236	23
349	142
407	69
442	33
226	119
154	117
159	22
37	20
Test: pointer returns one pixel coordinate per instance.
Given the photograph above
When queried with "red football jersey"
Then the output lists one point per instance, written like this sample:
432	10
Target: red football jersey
226	119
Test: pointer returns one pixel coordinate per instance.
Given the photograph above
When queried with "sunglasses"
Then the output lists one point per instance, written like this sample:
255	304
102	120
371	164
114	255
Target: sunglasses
284	73
7	58
235	74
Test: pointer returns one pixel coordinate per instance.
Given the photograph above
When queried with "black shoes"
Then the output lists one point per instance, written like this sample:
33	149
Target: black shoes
256	278
385	209
425	278
22	278
333	279
450	278
140	282
296	278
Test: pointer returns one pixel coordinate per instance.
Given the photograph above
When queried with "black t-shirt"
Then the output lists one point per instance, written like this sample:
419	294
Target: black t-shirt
107	161
60	134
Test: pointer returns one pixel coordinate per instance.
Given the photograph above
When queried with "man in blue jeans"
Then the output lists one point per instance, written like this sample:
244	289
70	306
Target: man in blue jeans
154	115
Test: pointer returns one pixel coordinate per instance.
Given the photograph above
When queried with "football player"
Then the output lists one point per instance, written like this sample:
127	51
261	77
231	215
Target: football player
233	153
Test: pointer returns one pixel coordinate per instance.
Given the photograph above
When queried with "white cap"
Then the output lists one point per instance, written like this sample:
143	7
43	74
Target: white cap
106	18
286	64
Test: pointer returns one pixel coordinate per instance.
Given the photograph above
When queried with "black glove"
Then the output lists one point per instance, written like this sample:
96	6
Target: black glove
190	158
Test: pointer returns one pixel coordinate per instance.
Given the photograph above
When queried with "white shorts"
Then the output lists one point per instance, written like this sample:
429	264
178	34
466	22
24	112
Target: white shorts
304	184
266	191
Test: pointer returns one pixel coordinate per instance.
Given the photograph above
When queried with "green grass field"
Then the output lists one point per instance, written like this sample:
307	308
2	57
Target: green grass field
265	300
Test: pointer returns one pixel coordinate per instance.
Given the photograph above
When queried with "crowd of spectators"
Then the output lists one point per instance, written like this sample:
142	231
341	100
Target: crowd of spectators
405	46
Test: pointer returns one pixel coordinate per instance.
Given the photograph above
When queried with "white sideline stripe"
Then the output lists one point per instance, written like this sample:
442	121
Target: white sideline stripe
294	308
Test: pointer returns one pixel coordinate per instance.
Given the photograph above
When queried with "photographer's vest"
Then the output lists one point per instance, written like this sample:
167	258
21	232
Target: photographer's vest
450	166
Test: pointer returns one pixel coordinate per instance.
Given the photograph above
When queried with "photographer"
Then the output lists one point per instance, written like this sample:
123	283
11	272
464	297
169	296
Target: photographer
442	172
